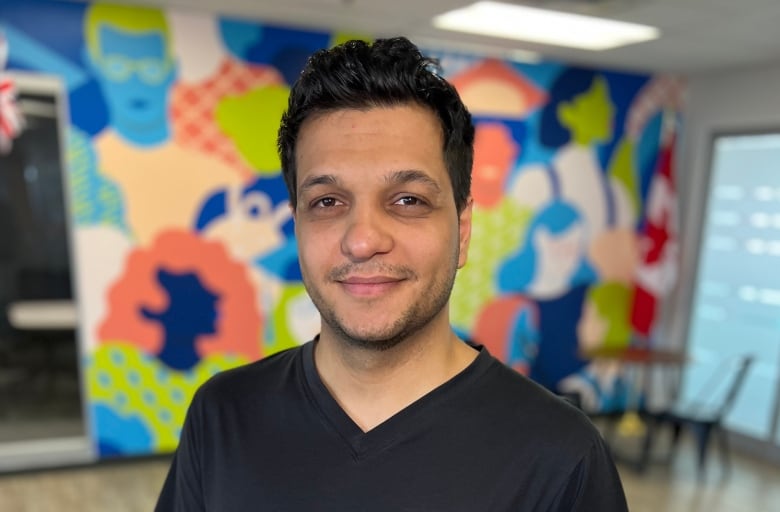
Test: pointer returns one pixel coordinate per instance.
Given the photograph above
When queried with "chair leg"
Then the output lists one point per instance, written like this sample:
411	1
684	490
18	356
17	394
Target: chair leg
647	443
702	431
725	453
676	428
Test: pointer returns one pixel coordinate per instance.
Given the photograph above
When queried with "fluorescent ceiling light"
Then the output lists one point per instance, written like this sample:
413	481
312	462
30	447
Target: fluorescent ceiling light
544	26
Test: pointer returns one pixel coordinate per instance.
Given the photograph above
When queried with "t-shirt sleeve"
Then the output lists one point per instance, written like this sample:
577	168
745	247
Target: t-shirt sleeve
183	489
594	484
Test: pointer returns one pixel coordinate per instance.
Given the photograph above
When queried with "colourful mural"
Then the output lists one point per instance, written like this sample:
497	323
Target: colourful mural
185	250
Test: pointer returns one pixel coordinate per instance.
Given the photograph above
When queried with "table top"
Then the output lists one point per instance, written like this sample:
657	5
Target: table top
637	355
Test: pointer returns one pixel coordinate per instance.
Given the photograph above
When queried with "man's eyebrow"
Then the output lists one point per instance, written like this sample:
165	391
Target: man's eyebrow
409	176
317	179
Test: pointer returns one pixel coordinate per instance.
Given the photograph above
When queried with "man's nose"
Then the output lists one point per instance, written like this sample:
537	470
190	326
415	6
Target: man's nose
368	233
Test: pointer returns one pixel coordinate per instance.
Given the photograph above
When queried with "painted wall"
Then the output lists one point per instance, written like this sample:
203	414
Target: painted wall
186	258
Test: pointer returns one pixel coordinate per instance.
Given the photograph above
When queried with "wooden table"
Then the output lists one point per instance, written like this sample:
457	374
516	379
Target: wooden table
630	422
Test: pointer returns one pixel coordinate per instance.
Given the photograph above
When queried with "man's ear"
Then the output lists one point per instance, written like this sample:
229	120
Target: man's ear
464	231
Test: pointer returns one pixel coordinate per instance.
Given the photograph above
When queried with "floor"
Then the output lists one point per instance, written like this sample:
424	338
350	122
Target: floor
132	486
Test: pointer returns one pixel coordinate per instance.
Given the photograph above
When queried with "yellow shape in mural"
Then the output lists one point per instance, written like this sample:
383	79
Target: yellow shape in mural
135	385
622	168
605	317
251	120
589	115
342	37
496	233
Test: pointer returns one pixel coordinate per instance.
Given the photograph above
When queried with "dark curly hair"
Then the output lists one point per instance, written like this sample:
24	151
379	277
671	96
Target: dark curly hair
389	72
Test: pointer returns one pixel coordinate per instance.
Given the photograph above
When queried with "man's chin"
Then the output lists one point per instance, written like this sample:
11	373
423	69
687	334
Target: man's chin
377	340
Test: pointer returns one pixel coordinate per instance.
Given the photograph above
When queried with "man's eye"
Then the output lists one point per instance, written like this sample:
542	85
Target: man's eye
409	201
326	202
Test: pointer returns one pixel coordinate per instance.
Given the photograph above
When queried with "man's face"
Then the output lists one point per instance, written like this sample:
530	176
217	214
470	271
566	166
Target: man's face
380	238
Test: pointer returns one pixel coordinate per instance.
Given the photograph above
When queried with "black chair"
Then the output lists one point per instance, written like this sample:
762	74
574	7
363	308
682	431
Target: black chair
703	415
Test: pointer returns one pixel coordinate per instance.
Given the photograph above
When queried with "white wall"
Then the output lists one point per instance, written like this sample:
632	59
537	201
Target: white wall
737	99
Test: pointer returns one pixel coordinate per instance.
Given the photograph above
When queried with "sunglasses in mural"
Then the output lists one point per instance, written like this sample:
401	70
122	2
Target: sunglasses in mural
120	68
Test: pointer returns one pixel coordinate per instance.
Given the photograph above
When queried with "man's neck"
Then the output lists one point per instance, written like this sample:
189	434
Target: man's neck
373	385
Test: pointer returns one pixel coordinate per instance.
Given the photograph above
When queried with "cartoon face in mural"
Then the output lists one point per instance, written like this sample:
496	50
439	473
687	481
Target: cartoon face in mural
553	257
128	51
495	150
190	313
255	223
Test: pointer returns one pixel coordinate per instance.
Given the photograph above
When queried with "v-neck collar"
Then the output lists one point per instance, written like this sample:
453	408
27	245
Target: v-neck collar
406	421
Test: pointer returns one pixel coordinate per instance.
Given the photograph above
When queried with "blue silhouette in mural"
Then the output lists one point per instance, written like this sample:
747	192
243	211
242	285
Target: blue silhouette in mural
552	268
191	312
135	70
285	49
263	207
119	435
522	340
552	258
239	35
572	82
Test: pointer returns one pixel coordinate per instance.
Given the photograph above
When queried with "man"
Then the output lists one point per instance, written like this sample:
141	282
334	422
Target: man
386	410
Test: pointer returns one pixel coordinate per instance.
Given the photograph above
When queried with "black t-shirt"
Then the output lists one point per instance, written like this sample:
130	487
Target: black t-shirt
269	437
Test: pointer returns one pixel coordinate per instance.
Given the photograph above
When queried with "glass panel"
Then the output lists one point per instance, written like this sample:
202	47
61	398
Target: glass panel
736	304
40	390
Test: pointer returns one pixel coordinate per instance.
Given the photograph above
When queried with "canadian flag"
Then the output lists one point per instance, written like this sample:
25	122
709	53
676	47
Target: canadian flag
658	243
11	119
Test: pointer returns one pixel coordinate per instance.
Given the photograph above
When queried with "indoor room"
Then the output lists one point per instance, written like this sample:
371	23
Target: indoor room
619	249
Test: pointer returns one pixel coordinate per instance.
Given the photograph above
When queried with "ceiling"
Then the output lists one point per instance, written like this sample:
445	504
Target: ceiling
697	35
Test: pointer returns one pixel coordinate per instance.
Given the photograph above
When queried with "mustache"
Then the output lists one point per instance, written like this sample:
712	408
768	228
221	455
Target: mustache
342	272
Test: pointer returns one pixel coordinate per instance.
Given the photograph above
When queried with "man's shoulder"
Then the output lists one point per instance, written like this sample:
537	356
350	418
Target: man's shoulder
267	375
534	411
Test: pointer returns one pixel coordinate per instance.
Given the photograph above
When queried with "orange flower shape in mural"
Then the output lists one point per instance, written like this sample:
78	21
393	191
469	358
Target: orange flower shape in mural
184	288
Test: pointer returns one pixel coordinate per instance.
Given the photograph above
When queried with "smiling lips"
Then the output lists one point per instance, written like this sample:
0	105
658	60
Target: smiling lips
372	286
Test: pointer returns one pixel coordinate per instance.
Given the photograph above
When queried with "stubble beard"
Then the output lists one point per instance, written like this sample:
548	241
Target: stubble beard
411	320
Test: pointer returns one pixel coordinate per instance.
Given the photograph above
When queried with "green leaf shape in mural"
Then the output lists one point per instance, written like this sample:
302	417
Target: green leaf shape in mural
589	115
95	199
251	121
622	168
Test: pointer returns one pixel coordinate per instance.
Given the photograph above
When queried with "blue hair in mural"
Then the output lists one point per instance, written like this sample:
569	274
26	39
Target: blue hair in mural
191	312
554	236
